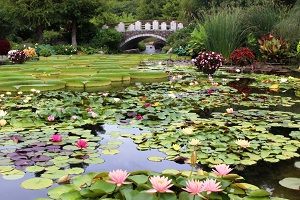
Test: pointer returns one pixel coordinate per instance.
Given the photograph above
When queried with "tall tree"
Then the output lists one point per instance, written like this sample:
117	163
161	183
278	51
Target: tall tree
150	9
33	14
76	12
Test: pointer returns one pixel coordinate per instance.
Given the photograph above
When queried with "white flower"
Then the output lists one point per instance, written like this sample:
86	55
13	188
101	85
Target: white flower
283	80
188	131
238	70
20	92
33	90
172	96
195	142
37	91
117	99
2	113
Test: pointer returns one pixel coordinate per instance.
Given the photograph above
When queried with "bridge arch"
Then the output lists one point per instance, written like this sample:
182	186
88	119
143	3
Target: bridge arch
135	39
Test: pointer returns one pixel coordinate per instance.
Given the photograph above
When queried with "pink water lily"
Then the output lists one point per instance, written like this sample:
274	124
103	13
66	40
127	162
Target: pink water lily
82	144
222	169
229	110
139	117
50	118
147	105
193	187
160	184
118	177
56	138
210	186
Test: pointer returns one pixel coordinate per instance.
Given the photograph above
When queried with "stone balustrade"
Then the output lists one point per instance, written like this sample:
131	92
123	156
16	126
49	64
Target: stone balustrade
148	26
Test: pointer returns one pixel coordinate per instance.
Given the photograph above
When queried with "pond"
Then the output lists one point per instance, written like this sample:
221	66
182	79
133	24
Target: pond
148	126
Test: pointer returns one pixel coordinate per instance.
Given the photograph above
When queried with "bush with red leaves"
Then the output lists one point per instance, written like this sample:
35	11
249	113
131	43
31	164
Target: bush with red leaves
242	56
4	46
208	61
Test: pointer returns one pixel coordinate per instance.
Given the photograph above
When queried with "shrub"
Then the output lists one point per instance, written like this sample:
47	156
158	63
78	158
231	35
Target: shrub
30	52
242	56
44	50
17	56
225	31
141	46
181	51
4	46
107	38
198	40
208	61
181	37
65	50
274	49
88	50
298	48
50	36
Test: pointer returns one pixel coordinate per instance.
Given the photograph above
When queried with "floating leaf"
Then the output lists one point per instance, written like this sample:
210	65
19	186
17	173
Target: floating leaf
36	183
291	183
155	158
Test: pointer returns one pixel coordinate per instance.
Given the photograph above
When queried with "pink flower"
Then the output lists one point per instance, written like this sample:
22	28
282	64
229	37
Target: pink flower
139	117
82	144
160	184
56	138
222	170
147	105
210	186
118	177
193	187
50	118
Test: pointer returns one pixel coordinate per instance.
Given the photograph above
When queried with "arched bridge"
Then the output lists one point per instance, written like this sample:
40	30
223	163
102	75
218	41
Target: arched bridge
135	32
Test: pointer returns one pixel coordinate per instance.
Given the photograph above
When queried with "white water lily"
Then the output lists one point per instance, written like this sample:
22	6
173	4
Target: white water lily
2	113
20	92
3	122
283	80
117	99
172	95
188	131
195	142
37	91
8	93
33	90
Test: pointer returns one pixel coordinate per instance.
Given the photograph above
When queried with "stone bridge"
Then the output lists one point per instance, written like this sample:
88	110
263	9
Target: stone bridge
135	32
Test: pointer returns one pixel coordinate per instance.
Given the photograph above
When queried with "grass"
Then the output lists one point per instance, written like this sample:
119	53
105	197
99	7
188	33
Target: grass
77	72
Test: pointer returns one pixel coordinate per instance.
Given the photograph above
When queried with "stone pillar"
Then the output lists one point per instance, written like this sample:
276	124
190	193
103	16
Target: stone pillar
173	26
163	26
138	26
120	27
147	26
131	27
180	26
155	25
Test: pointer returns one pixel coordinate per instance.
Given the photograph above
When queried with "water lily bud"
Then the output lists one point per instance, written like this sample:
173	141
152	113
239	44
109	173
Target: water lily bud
194	158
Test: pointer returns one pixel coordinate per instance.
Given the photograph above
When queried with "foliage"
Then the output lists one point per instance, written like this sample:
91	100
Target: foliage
261	19
107	38
198	40
150	9
274	49
97	186
141	46
242	56
288	27
181	51
44	50
4	46
298	48
208	61
50	36
87	50
64	50
181	37
16	56
218	39
170	10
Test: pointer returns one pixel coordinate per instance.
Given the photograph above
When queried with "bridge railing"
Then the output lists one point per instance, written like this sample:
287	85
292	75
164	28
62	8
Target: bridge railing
154	25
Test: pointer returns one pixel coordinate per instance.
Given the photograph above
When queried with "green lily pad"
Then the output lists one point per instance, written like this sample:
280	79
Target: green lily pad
36	183
155	158
291	183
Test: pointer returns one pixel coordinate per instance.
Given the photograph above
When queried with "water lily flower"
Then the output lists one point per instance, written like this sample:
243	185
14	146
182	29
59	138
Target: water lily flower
172	96
191	84
19	93
147	105
8	93
33	90
3	122
210	186
50	118
283	80
37	91
117	100
195	142
160	184
118	177
193	187
93	114
229	110
2	113
74	117
238	70
105	94
82	144
139	117
56	138
222	169
187	131
243	143
215	84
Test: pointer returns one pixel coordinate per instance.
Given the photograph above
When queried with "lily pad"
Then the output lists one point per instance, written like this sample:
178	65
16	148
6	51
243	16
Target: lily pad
291	183
36	183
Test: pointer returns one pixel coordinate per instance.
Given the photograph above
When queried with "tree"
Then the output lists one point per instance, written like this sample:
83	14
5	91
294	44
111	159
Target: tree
171	9
150	9
76	12
32	14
